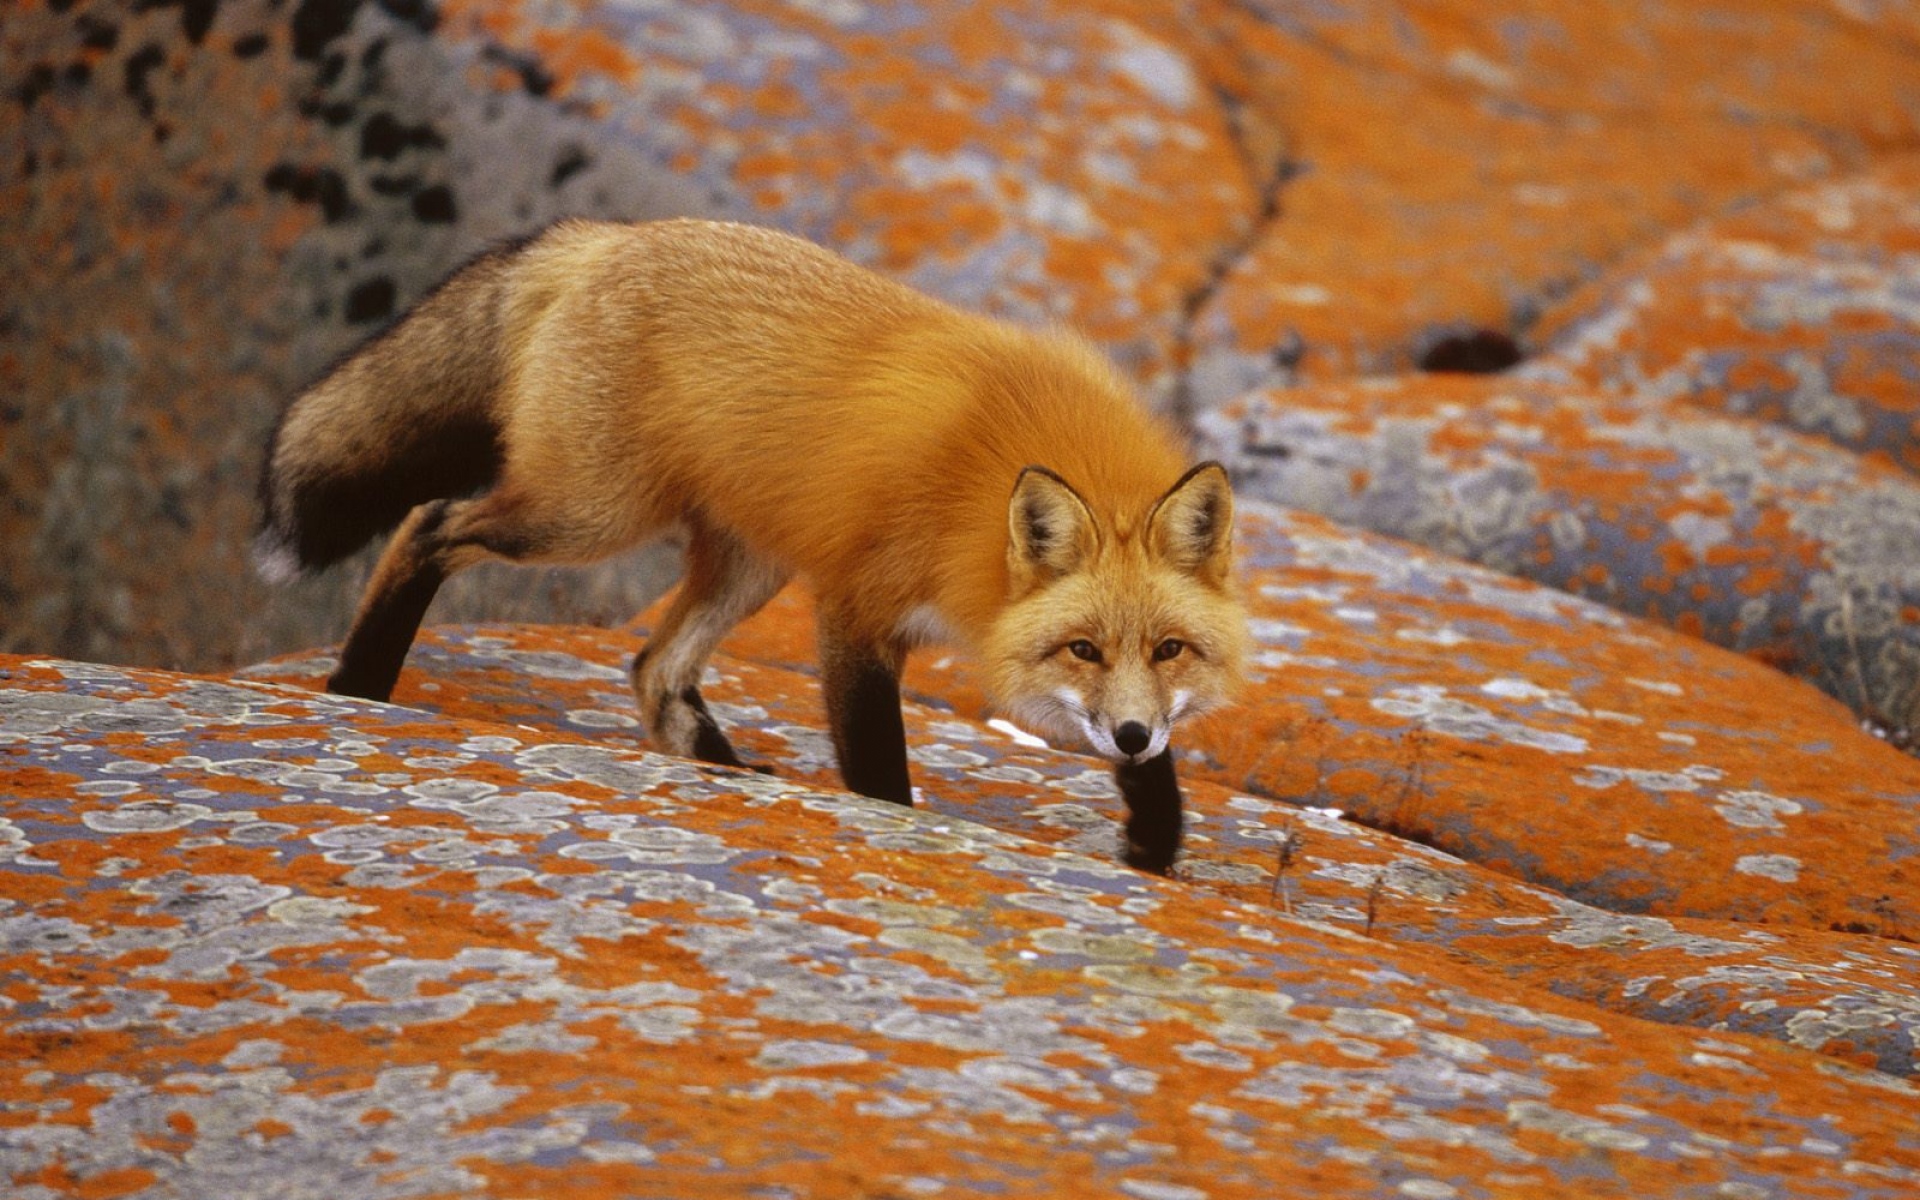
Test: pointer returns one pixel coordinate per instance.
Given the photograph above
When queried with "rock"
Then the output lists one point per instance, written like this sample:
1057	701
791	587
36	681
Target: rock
1271	768
1804	311
370	949
1224	195
1756	538
1488	888
1449	173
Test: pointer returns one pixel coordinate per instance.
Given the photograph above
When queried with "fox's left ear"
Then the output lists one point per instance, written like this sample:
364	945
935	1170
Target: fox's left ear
1191	527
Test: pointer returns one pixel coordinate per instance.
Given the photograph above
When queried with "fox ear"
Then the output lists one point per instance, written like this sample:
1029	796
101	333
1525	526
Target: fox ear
1049	528
1191	526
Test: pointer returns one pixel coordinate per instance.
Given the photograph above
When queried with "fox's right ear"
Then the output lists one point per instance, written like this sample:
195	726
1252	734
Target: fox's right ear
1050	530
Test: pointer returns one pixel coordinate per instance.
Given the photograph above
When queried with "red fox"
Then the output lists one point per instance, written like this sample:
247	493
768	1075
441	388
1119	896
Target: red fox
931	474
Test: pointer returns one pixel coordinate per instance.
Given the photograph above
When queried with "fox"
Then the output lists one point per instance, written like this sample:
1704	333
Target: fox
930	474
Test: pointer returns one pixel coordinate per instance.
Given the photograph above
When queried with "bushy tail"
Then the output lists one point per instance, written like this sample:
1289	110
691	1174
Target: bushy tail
405	419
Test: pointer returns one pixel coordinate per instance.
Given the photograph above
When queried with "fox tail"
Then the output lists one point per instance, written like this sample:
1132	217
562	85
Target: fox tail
407	418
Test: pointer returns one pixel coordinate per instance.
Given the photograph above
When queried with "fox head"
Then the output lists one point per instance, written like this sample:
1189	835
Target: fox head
1117	625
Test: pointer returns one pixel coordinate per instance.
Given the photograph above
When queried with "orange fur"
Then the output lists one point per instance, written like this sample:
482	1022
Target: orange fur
857	431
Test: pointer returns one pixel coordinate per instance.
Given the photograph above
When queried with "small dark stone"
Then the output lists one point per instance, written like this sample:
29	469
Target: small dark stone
573	160
434	205
331	68
141	64
386	138
39	82
96	34
394	185
312	185
318	22
370	300
331	191
196	17
1481	352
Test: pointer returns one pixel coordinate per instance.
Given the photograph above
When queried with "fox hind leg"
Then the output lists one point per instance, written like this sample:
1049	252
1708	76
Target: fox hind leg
725	584
433	541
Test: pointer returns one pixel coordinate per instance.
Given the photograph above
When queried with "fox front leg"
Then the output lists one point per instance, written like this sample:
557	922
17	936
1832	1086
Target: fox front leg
861	682
1154	812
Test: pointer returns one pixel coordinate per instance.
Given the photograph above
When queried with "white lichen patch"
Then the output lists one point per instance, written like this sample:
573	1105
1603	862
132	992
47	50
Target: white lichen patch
1781	867
1436	711
1755	809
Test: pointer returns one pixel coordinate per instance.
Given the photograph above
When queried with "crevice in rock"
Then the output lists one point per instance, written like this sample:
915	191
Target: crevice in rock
1272	171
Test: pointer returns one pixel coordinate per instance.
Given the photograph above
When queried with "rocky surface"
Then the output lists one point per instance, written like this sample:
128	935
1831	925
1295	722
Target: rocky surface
1754	537
1803	311
361	947
1574	905
1538	873
1479	791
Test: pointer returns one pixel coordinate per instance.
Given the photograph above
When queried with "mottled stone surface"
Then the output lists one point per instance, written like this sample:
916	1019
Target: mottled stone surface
1544	736
257	934
1745	534
1455	168
1057	162
213	210
1832	989
1803	311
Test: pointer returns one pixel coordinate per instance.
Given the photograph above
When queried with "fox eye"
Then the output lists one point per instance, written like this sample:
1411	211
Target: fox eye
1084	650
1170	648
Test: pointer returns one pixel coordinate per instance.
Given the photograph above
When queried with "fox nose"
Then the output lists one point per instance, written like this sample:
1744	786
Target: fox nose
1132	737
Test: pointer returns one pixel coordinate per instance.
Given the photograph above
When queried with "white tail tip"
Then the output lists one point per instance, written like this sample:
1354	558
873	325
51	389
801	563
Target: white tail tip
274	559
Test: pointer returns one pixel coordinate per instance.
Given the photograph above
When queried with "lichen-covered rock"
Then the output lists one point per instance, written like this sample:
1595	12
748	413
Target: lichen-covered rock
1462	834
253	933
1648	787
1853	996
1049	160
1804	311
1452	169
1750	536
211	203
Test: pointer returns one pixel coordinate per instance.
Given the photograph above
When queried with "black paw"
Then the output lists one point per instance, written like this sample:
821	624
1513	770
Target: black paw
714	768
1154	813
360	685
1156	859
